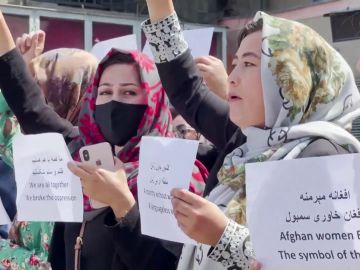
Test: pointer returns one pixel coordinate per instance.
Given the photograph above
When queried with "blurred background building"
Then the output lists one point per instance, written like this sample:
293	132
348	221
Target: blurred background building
82	23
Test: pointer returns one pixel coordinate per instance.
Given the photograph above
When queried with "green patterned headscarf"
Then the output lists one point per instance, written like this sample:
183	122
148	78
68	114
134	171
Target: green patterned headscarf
309	91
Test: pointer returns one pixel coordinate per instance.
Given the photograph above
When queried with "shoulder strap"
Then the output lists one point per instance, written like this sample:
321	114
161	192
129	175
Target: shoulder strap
78	246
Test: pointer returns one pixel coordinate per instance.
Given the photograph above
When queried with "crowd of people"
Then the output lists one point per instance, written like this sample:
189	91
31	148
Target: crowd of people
286	79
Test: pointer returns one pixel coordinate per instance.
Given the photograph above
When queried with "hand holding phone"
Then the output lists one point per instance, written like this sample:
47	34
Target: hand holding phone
98	155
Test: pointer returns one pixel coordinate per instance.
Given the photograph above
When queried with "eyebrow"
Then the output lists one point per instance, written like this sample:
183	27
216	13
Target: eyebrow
247	54
121	84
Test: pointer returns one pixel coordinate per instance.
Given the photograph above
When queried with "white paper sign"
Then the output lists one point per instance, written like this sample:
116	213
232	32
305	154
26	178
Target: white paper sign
305	213
165	163
4	218
101	48
199	41
46	189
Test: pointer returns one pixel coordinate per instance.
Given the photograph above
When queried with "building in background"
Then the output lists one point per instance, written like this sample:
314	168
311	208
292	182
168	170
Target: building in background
81	23
338	21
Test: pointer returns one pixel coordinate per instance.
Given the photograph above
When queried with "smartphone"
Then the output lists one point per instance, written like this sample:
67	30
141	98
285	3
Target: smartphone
99	155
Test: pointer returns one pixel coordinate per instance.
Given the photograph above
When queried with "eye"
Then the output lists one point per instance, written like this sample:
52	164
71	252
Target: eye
129	93
105	92
249	64
234	63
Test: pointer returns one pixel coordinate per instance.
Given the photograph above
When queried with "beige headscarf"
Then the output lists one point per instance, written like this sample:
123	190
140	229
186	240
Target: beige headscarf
63	75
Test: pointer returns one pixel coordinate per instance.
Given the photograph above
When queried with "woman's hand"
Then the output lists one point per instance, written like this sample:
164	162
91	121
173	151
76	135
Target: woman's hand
104	186
214	73
31	45
200	219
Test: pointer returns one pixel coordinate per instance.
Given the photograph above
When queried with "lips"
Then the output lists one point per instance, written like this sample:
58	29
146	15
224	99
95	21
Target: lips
232	97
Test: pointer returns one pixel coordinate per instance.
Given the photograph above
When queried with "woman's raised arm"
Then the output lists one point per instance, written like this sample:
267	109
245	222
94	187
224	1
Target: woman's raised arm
6	40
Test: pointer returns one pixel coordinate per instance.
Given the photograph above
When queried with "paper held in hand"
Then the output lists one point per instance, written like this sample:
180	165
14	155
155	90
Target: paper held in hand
305	213
101	49
46	189
165	163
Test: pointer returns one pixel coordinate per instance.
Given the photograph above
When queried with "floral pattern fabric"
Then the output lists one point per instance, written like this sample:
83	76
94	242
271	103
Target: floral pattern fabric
29	250
30	245
9	127
64	75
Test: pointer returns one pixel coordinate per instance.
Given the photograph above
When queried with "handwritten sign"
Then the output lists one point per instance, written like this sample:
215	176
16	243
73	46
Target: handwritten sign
199	41
101	48
305	213
46	189
165	163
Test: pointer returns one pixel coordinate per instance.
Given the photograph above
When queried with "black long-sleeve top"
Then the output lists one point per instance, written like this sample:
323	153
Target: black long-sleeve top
201	108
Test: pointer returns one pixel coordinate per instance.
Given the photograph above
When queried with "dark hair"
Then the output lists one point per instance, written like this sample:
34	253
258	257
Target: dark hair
118	58
250	28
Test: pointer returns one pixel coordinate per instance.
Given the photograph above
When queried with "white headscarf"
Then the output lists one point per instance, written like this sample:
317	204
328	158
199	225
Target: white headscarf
309	92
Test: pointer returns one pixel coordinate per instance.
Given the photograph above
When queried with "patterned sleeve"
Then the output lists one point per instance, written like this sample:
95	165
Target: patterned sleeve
9	127
165	38
234	250
30	252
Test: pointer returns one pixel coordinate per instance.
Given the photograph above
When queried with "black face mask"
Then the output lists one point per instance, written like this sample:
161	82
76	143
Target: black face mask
119	121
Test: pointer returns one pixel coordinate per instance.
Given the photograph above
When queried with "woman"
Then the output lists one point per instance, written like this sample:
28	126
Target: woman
137	95
291	94
207	153
141	111
63	75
